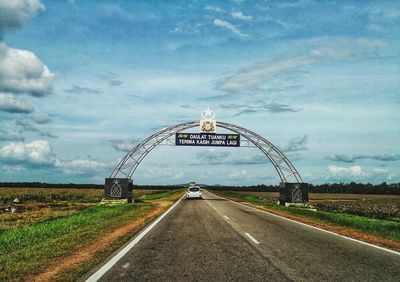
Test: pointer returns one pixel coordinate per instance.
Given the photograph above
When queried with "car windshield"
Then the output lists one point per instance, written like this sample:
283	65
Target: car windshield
194	189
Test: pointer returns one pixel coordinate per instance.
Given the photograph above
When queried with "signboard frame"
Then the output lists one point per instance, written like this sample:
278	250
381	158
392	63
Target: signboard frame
207	139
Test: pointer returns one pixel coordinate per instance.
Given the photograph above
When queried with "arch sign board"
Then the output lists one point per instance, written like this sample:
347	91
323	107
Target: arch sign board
292	188
207	139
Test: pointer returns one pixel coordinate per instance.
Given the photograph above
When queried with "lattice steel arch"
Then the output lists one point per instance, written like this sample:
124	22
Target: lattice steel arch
127	166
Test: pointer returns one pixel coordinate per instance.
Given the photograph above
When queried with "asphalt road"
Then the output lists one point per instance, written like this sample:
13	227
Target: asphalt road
219	240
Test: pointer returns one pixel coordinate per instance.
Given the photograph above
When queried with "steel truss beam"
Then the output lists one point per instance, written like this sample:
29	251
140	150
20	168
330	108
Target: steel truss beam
128	165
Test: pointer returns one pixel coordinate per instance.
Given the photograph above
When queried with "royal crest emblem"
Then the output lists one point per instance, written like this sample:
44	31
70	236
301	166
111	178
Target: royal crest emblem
208	124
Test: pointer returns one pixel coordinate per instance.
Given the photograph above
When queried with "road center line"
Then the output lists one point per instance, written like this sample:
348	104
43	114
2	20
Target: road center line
226	217
99	273
252	238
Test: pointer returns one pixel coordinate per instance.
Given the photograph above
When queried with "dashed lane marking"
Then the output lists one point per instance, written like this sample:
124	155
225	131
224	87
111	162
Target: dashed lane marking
252	238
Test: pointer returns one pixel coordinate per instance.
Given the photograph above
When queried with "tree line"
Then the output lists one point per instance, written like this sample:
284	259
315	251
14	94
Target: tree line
341	188
80	186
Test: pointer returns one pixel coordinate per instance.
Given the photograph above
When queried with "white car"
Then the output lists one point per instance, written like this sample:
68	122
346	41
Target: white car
194	192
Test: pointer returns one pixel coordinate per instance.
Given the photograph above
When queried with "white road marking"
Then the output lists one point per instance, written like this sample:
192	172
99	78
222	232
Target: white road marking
252	238
99	273
313	227
226	217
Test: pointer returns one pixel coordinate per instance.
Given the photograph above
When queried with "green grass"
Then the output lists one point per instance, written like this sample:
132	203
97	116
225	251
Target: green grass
382	228
27	250
158	195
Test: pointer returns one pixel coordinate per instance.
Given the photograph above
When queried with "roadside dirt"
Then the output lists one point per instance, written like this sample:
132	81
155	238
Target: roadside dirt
64	264
390	244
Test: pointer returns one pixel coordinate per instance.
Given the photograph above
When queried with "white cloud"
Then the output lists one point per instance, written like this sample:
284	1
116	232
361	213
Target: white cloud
11	169
212	157
38	152
238	175
10	104
380	170
253	78
41	118
213	8
27	125
357	173
300	3
22	72
178	175
239	15
13	13
161	174
352	158
82	167
124	146
322	49
296	144
7	136
381	12
347	46
229	26
345	172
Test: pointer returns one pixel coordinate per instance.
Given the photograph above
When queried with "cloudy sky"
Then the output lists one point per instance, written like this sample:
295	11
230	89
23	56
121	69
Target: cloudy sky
82	81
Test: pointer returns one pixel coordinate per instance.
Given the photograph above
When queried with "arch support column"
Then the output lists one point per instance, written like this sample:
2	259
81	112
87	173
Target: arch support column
119	188
290	192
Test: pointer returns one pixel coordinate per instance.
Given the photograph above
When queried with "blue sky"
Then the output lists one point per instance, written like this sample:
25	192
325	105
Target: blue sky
82	81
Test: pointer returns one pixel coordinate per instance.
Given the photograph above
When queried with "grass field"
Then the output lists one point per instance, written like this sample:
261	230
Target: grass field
61	227
388	229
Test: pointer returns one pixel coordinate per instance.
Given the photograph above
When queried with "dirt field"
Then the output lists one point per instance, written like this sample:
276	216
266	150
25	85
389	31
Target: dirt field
324	196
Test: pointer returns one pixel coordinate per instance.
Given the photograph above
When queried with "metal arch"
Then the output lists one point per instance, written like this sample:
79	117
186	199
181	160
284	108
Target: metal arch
131	161
127	166
281	163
